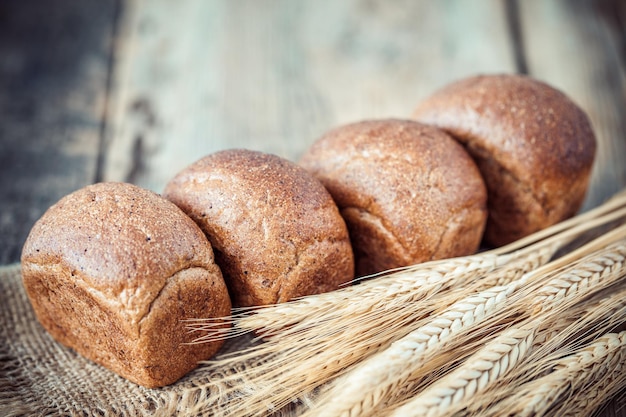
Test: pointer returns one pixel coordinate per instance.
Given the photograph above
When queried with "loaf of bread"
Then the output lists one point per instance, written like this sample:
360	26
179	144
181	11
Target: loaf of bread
408	192
112	269
276	232
533	145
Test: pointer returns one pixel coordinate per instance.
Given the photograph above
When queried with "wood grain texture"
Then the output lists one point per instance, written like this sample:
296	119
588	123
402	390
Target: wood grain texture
273	75
568	44
54	63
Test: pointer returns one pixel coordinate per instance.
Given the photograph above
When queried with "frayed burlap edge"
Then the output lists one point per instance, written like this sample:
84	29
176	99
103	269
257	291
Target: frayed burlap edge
40	377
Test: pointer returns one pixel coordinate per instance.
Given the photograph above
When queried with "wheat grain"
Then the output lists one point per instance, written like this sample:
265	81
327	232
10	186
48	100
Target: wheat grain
329	353
287	372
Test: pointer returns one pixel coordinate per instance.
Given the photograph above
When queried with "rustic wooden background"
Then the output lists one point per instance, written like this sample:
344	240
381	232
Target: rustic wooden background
134	90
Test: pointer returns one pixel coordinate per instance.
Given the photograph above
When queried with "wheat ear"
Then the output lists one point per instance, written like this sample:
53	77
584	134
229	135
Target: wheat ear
478	373
530	377
560	335
286	374
595	392
570	373
371	381
483	369
591	273
597	271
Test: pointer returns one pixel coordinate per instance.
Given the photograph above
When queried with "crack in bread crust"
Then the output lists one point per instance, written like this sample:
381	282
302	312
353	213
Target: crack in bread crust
360	223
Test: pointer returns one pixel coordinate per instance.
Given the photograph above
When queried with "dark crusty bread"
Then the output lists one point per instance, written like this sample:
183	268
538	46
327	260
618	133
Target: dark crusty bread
408	192
276	232
534	146
112	269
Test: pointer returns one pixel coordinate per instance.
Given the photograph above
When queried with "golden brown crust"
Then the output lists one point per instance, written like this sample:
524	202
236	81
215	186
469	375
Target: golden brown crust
534	146
111	269
276	231
408	192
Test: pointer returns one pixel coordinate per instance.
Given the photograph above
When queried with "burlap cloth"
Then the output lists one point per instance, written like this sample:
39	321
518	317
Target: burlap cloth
38	376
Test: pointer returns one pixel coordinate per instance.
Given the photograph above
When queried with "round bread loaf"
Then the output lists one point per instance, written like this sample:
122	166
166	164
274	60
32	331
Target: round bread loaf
112	269
533	145
408	192
276	231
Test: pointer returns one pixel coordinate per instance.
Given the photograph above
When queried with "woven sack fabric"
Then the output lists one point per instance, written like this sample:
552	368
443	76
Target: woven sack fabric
40	377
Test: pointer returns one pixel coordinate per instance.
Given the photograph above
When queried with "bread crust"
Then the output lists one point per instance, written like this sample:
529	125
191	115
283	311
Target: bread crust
534	146
408	192
112	269
276	231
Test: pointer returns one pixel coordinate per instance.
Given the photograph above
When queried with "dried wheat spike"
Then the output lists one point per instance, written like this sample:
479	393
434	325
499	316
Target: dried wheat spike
481	370
371	382
587	399
325	344
596	389
560	335
590	363
587	276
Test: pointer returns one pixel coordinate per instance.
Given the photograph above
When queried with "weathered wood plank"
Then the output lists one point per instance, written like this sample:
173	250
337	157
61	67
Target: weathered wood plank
197	76
54	62
585	61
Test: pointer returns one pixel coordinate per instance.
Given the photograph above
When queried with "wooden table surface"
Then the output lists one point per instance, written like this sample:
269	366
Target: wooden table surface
99	90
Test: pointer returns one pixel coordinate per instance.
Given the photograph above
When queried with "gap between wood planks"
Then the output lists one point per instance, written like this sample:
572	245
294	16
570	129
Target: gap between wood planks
517	38
102	146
